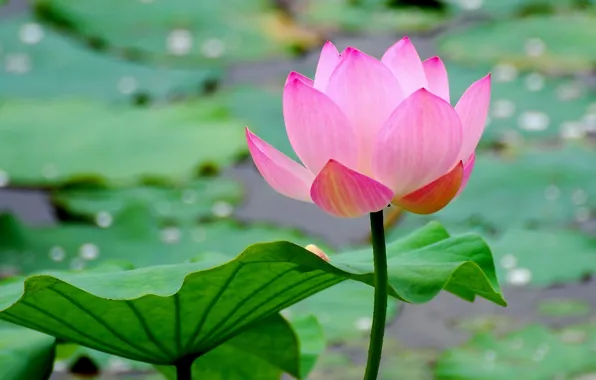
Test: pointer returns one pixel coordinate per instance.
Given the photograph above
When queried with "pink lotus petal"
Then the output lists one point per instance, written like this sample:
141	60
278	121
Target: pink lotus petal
367	93
283	174
345	193
468	168
472	109
436	75
434	196
328	60
303	78
403	61
419	143
317	128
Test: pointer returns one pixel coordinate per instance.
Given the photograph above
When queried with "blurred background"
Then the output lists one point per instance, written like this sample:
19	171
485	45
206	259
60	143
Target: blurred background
121	142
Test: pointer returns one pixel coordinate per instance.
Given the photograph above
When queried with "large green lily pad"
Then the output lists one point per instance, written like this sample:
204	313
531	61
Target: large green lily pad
344	310
202	198
544	257
534	353
135	237
548	43
511	8
261	353
182	31
39	63
202	306
261	108
24	353
548	188
75	140
528	106
369	16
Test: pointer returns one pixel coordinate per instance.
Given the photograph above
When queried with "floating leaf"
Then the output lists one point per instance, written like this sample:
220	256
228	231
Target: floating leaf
369	16
548	43
534	353
564	307
202	306
115	144
508	8
182	31
344	310
262	110
548	188
135	237
39	63
201	198
24	353
528	105
544	257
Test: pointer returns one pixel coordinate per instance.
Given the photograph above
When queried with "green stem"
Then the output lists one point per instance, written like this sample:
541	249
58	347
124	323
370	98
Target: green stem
184	369
375	347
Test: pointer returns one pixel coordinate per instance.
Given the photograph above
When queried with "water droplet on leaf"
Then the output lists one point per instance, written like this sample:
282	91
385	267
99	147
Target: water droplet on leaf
364	324
534	82
4	178
504	72
213	48
77	263
31	33
552	193
535	47
572	130
503	108
57	253
17	63
89	251
127	85
170	235
508	261
519	276
179	42
104	219
470	5
533	121
49	171
222	209
579	197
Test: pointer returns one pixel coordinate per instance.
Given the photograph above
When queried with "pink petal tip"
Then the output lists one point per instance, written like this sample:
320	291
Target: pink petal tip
346	193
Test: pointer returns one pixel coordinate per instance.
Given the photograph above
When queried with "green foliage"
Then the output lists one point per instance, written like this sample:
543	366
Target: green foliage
181	32
549	188
528	106
370	16
202	306
548	43
41	64
516	8
75	140
344	310
202	198
534	353
24	353
561	307
544	257
260	354
135	237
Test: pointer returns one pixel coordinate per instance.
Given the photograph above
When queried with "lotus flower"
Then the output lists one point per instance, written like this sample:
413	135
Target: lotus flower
370	133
